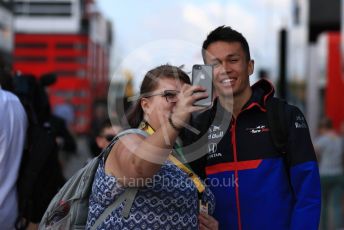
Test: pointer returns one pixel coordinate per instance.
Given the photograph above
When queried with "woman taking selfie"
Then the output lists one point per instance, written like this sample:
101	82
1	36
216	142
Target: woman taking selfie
166	195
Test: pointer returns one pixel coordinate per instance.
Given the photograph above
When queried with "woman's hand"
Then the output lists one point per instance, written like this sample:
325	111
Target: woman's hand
184	107
207	222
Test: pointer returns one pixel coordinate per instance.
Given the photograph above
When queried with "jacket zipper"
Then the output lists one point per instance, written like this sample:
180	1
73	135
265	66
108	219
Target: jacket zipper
236	176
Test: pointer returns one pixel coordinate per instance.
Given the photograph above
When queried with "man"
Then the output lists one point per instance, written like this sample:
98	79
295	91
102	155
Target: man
268	189
103	136
13	124
106	133
329	149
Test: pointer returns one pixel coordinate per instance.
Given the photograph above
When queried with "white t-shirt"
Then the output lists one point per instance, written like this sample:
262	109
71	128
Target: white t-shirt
13	125
330	149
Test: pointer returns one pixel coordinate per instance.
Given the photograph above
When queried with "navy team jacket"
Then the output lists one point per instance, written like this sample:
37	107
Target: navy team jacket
256	186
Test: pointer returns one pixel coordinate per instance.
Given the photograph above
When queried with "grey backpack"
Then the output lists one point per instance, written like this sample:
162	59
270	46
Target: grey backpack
69	208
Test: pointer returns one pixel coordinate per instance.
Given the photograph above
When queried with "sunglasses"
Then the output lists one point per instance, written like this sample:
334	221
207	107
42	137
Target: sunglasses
109	137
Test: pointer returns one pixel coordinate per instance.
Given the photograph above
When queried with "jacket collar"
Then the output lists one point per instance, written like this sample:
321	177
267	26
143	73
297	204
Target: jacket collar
261	91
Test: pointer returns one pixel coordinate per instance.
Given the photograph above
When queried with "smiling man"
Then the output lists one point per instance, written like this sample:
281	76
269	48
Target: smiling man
273	188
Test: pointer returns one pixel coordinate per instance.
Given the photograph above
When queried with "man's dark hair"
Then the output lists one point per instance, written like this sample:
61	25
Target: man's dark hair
107	123
226	34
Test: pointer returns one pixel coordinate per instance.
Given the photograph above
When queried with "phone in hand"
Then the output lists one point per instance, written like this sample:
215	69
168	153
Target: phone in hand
203	75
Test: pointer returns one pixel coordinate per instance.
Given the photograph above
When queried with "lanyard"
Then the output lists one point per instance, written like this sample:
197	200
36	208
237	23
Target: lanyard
195	179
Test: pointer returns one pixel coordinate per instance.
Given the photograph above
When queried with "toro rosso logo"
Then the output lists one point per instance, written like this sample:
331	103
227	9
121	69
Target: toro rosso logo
258	129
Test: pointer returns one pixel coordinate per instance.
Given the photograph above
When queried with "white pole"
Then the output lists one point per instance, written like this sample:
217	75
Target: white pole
312	79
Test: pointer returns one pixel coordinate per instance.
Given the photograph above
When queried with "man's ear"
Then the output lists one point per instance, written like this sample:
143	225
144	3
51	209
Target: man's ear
250	67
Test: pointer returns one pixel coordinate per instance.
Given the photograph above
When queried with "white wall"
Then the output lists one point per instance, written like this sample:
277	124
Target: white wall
49	24
6	30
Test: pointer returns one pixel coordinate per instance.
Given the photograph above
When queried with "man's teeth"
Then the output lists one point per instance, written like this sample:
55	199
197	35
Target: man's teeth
227	81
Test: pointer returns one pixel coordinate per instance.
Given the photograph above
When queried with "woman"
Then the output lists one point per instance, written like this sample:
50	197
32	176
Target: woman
168	194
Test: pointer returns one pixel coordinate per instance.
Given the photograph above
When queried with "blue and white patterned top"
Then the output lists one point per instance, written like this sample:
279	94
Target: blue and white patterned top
170	202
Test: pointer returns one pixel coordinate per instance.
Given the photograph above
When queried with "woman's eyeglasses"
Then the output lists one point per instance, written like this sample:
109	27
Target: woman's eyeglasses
169	95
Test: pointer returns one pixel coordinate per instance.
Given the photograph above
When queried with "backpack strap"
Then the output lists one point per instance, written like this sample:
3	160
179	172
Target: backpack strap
128	196
278	122
107	150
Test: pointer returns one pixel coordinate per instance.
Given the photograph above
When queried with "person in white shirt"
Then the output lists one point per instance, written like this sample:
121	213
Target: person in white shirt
13	125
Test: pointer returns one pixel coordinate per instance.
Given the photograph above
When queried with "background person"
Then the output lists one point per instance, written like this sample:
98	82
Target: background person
13	125
106	133
329	149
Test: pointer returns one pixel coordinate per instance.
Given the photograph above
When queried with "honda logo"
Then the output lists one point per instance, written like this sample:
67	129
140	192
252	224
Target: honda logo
212	147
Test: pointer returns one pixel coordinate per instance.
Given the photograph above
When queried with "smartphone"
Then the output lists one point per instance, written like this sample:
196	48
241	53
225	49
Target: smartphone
203	75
